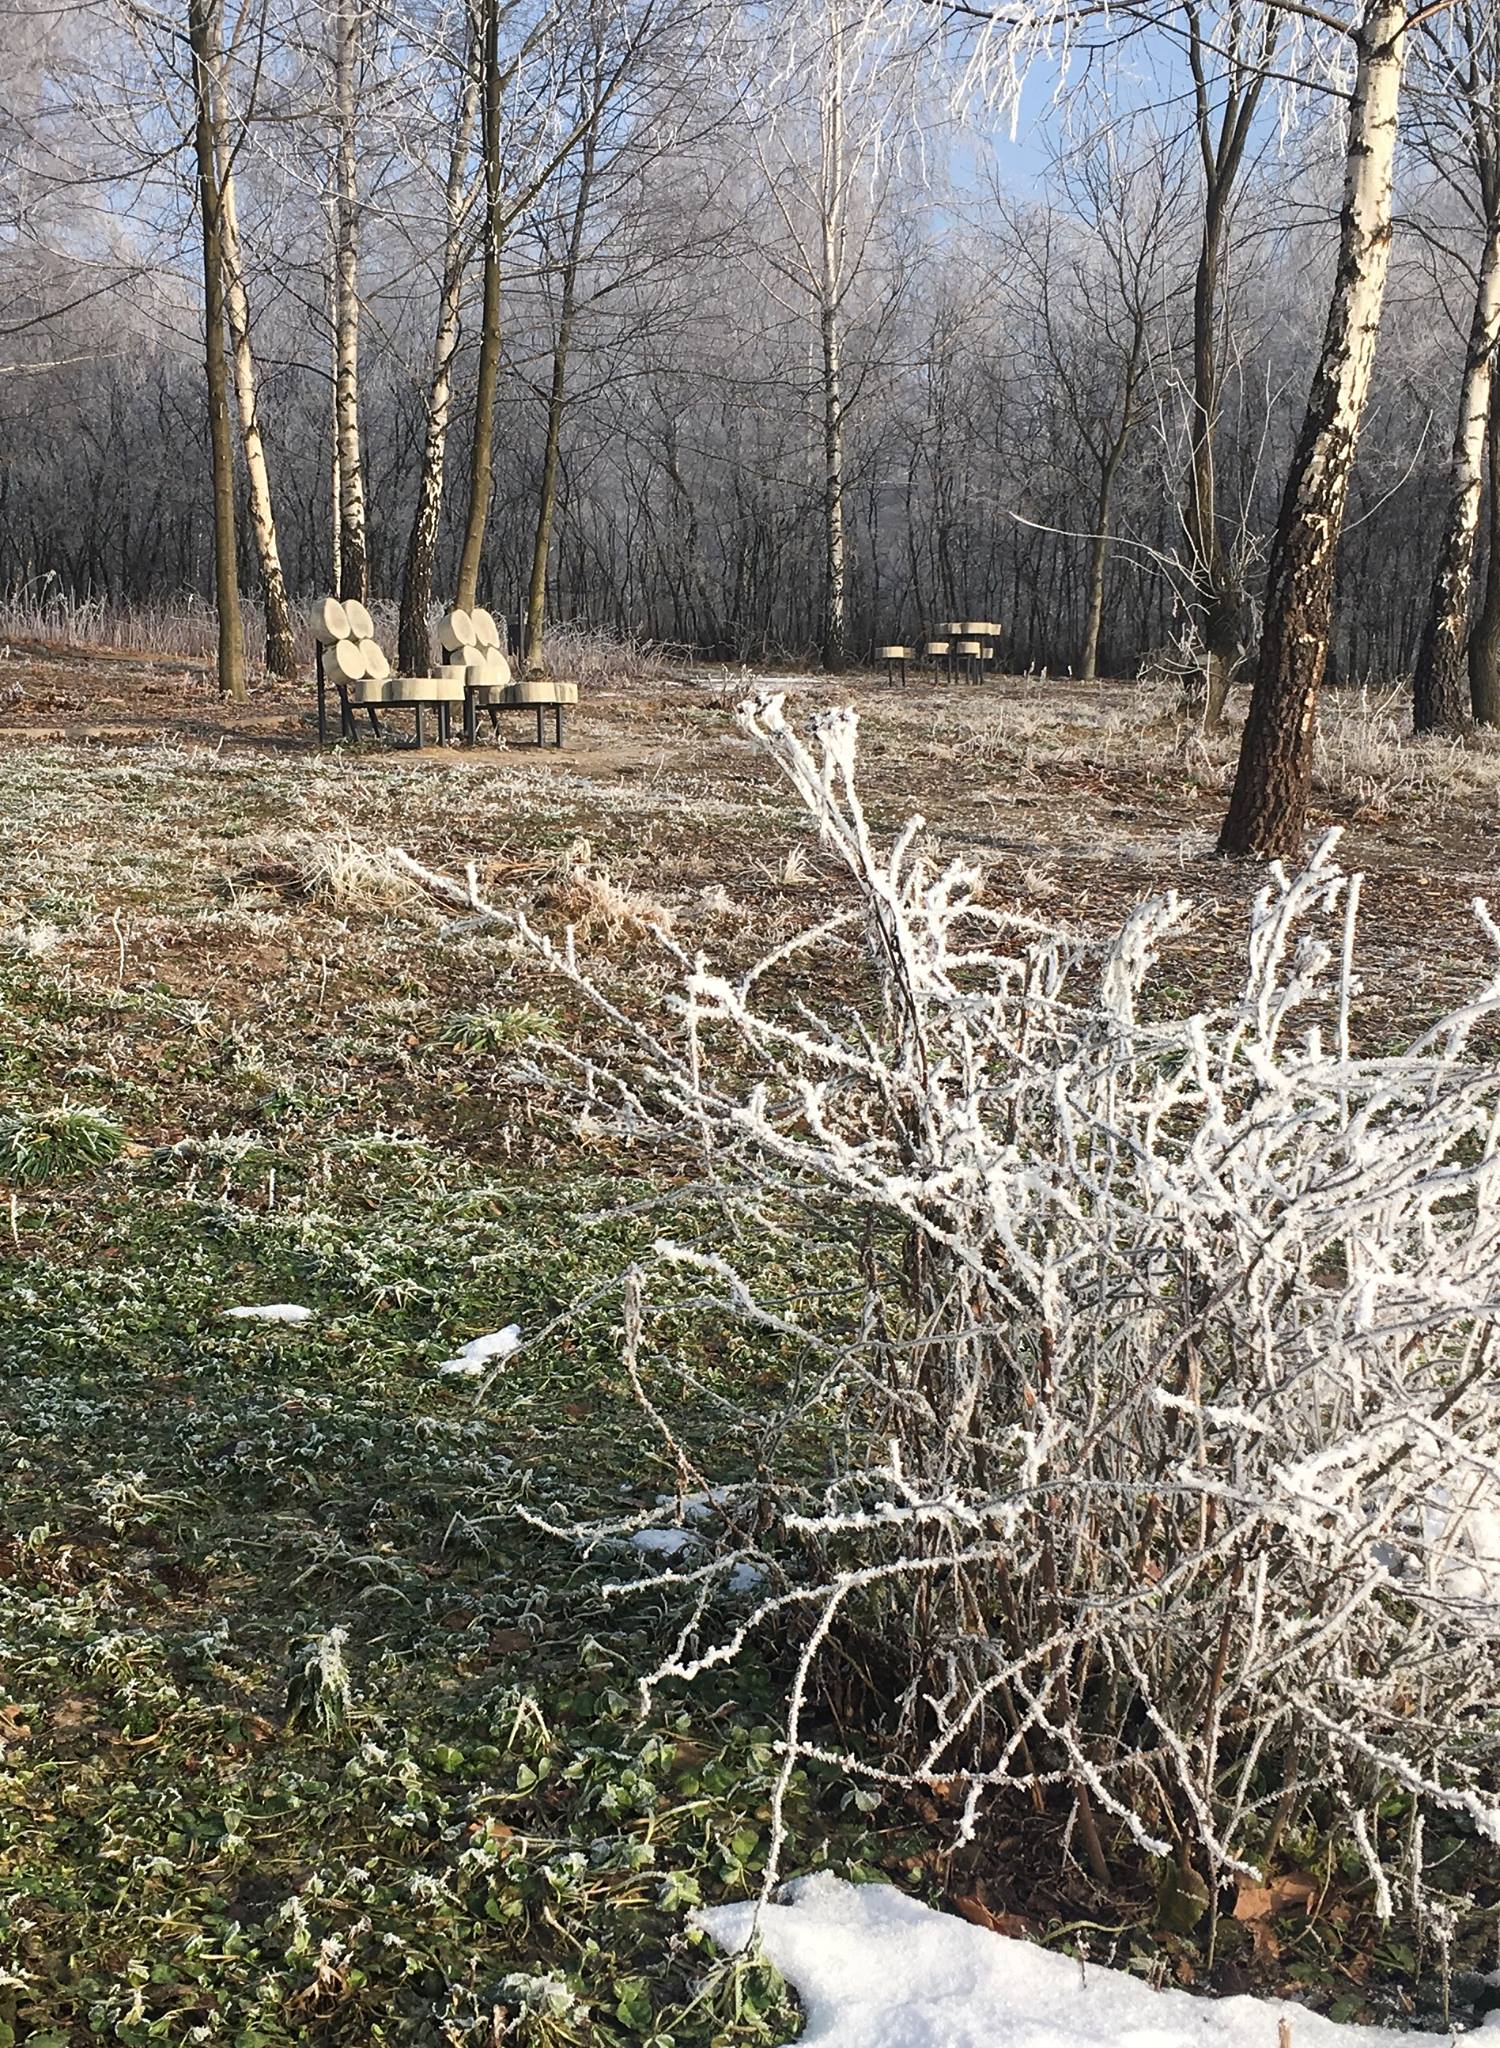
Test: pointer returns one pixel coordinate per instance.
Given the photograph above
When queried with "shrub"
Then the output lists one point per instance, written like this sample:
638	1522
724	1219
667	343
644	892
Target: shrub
1159	1411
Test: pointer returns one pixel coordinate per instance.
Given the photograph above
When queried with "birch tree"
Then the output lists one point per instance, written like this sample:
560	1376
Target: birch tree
826	125
1484	646
281	657
353	578
1471	76
421	547
1268	807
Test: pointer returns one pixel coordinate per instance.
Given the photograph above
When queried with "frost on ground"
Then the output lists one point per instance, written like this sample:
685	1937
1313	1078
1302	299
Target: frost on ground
877	1969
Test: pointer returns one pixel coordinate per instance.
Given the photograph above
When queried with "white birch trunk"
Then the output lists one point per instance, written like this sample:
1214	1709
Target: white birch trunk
835	186
354	577
421	552
281	658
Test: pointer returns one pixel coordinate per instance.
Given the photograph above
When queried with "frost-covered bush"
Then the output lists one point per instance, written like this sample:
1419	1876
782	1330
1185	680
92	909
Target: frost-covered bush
1154	1359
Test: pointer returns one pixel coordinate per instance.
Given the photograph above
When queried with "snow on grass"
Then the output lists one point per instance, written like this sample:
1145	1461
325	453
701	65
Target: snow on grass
874	1968
271	1312
472	1358
666	1542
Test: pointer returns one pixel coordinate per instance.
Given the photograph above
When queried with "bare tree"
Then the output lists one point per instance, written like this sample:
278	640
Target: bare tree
1440	686
1229	59
1484	646
353	556
203	41
421	547
281	658
1269	804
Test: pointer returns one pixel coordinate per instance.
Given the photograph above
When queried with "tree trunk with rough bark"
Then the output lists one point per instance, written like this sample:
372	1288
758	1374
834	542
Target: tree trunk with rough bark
482	447
536	589
1484	644
203	39
1268	809
354	569
421	548
1217	601
281	652
1440	689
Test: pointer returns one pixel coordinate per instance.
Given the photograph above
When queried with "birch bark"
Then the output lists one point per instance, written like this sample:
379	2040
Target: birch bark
281	656
1268	808
354	572
421	549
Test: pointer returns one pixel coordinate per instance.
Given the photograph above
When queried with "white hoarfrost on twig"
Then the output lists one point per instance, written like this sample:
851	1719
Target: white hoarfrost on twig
1152	1356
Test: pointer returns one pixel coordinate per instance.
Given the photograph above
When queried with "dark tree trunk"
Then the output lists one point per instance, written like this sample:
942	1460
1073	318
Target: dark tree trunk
203	41
1440	689
1268	809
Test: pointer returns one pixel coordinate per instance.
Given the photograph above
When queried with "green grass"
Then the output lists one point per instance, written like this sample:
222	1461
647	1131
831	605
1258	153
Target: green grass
304	1734
197	1841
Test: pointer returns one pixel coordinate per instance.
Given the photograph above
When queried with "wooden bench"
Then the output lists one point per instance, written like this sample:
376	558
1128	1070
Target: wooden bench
351	659
895	659
475	673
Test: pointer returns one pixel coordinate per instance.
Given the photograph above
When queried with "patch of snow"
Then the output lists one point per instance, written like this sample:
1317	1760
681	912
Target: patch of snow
665	1542
699	1507
874	1968
472	1358
745	1578
272	1312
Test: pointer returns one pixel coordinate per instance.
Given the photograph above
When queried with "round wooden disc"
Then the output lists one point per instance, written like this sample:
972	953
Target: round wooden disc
361	625
330	621
486	633
456	630
377	668
347	659
496	668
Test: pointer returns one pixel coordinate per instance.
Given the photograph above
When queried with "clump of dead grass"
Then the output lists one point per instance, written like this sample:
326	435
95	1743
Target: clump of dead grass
340	869
599	910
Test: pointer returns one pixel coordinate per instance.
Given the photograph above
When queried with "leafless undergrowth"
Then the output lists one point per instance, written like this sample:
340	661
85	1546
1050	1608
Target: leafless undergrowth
1155	1372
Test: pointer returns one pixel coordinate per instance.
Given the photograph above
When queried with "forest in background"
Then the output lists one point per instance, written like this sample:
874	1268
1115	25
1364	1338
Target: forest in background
708	270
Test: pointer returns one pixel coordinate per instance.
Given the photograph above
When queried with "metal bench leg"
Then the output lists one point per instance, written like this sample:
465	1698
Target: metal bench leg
540	715
346	716
494	718
444	724
322	700
471	728
557	724
374	718
418	709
